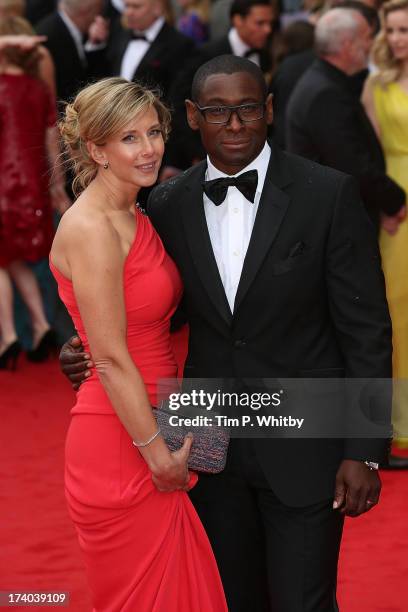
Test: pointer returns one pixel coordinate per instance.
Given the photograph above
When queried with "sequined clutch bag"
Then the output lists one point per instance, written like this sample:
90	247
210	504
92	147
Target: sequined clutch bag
210	445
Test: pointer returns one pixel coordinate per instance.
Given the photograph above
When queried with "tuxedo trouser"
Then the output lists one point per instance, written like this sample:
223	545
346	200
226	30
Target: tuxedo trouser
271	557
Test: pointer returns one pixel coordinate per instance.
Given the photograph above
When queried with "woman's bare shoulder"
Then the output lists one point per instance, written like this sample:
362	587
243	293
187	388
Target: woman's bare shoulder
83	228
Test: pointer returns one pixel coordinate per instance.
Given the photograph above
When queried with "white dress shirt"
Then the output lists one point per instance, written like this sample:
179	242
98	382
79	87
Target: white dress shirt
231	223
137	49
119	5
240	48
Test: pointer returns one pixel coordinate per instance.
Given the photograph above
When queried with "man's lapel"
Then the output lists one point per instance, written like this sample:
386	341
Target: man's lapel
154	52
271	211
198	238
119	45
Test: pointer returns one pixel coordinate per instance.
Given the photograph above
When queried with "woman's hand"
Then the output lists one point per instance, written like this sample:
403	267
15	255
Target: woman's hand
21	41
391	223
174	475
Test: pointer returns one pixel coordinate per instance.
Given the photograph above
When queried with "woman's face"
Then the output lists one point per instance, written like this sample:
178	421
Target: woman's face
135	153
396	27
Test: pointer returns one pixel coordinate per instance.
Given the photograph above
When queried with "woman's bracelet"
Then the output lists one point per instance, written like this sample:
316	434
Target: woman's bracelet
142	444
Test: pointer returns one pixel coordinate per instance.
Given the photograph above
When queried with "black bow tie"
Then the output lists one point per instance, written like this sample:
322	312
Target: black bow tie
217	189
138	36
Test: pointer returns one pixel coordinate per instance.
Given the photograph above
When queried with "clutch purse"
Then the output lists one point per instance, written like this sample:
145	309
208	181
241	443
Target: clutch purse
210	445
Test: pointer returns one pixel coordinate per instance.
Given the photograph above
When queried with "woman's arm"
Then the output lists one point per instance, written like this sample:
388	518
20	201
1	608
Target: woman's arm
22	41
96	258
47	71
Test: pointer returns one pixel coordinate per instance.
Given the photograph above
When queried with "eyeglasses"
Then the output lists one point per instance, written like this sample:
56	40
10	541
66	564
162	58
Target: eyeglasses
222	114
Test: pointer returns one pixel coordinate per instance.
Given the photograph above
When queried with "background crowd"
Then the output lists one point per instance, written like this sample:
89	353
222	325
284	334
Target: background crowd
338	71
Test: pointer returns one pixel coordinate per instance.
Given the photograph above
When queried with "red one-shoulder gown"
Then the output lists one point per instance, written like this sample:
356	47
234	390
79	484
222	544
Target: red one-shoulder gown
145	550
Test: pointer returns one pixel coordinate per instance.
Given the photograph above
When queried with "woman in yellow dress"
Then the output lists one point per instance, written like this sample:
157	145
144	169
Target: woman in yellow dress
386	101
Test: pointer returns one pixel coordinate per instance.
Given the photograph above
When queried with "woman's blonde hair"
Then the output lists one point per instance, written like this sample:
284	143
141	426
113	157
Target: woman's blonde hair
99	112
12	8
28	61
389	68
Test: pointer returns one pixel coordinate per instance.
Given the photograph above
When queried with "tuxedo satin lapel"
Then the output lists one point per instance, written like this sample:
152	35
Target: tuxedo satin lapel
198	238
121	44
271	211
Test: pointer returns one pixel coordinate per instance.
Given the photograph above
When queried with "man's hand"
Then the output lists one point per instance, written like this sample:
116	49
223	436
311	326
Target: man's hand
391	224
74	362
98	31
357	488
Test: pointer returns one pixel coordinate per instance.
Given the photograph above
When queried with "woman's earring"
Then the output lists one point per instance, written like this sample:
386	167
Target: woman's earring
106	165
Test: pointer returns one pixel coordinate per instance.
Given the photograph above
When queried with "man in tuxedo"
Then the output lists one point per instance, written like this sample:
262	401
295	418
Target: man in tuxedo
251	27
76	62
281	278
326	122
147	49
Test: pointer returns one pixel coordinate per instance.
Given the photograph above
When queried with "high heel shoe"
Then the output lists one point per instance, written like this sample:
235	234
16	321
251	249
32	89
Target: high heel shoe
9	356
46	346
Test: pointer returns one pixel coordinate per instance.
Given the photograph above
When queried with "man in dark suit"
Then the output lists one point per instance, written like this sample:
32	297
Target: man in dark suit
281	279
147	49
251	27
76	63
326	122
295	65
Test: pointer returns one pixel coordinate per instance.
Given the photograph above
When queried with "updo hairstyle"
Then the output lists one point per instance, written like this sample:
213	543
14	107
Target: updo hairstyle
98	112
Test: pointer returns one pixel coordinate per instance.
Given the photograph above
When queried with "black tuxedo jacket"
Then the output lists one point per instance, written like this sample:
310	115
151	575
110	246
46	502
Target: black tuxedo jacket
162	61
71	72
319	313
326	122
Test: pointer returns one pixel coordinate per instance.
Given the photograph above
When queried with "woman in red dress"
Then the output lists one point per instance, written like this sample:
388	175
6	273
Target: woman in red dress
28	146
144	546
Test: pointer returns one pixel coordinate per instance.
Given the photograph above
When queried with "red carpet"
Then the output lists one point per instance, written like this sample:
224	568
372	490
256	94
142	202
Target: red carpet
38	547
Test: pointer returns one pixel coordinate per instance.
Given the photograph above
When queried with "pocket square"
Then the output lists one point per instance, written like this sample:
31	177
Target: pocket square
297	249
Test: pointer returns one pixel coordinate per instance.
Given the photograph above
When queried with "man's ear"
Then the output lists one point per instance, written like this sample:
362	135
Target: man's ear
269	109
96	153
236	21
192	115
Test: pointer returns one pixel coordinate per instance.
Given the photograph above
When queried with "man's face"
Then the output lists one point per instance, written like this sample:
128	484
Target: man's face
255	28
89	11
361	46
233	145
140	14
